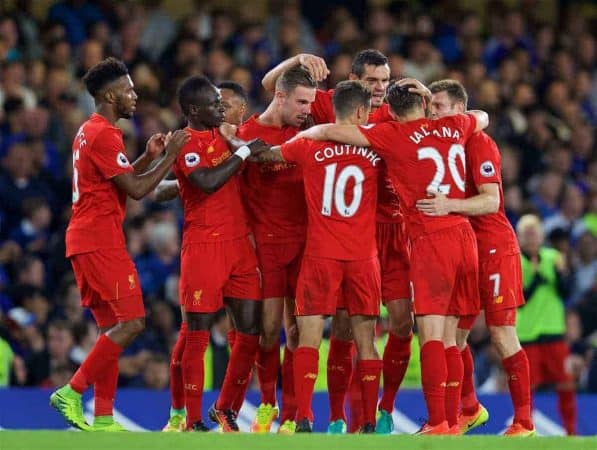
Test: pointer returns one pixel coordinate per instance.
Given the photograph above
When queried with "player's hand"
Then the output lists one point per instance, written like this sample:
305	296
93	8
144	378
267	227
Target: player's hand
155	145
438	205
561	264
177	141
316	66
228	131
257	146
419	88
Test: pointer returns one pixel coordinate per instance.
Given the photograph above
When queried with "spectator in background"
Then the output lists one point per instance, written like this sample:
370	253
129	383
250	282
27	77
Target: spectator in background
33	232
541	323
585	267
157	373
60	344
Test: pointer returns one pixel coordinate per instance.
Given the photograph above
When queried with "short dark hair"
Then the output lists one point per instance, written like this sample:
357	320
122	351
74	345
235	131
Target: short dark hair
370	57
453	88
294	77
401	100
189	90
104	72
236	88
348	96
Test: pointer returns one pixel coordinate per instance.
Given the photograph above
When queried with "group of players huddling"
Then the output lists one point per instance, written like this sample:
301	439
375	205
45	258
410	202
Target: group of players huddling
395	196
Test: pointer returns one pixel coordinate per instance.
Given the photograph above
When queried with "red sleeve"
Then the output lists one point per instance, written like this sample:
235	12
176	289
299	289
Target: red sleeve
295	150
193	156
381	136
484	159
381	114
109	155
322	108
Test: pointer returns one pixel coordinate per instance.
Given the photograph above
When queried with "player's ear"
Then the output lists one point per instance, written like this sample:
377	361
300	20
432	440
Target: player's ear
280	96
109	96
193	110
352	76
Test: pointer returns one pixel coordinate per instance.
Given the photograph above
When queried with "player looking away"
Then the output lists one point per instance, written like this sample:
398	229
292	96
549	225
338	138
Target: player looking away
422	156
103	178
218	262
500	273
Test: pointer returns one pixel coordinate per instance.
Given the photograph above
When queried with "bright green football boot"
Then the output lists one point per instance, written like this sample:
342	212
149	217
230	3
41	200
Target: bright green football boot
337	427
385	422
68	402
107	423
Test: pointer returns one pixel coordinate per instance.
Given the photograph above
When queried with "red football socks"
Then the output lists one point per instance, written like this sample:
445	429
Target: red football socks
434	373
105	390
176	384
239	368
268	366
306	364
193	373
339	372
369	372
468	396
517	368
396	356
567	407
453	384
100	359
356	404
288	399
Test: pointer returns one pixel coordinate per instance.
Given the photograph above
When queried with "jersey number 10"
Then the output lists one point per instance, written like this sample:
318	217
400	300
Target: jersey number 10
334	190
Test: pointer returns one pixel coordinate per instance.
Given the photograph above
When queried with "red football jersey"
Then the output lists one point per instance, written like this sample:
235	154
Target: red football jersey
273	192
341	193
494	232
98	205
208	217
322	109
424	156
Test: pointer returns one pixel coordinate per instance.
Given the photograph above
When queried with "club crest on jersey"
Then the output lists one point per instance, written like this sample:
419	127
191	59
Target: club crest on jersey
191	159
487	169
122	160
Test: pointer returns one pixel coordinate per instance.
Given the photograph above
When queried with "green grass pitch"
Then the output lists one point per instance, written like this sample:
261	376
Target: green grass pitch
65	440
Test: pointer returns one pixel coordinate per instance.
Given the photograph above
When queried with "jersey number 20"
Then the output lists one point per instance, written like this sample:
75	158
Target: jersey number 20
437	185
334	190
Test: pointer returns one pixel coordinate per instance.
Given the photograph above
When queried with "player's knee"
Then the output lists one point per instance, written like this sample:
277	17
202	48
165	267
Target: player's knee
505	340
135	327
402	327
269	336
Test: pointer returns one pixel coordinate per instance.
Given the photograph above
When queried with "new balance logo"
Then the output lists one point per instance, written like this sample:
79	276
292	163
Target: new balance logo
369	378
310	376
453	384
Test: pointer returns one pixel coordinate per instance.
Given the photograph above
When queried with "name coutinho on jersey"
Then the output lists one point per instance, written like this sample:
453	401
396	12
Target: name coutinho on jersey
342	150
423	132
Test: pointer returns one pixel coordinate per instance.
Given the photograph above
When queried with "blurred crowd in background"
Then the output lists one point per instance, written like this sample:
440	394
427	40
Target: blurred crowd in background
532	68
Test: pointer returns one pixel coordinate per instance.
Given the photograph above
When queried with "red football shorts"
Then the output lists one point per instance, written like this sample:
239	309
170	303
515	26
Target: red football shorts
500	283
280	265
493	318
444	272
500	291
547	362
109	285
394	258
321	281
210	271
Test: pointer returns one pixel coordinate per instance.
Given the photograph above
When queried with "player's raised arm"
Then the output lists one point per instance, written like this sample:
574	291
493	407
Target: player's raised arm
138	186
482	119
314	64
347	134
